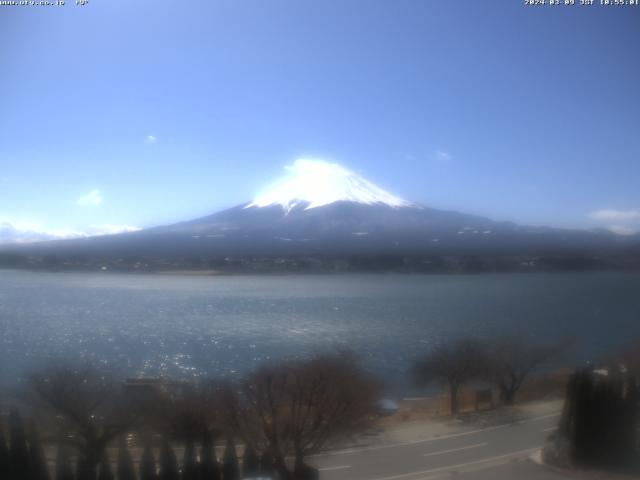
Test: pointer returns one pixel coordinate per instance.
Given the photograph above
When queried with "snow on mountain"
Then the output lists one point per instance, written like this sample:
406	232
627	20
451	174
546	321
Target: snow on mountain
315	183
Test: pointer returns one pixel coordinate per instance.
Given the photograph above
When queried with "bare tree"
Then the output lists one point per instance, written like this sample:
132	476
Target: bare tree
298	407
630	358
188	412
87	408
511	360
452	365
327	398
255	412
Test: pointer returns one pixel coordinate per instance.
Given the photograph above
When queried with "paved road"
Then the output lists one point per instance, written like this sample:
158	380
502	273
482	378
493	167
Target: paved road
491	453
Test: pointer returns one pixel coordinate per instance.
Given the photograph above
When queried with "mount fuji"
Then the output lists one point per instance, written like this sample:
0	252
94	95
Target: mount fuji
323	214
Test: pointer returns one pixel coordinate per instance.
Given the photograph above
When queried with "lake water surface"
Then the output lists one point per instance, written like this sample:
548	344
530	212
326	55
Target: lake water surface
225	325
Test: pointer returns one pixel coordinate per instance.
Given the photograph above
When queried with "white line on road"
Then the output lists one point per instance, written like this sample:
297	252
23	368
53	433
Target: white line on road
433	439
541	417
442	452
549	429
341	467
460	465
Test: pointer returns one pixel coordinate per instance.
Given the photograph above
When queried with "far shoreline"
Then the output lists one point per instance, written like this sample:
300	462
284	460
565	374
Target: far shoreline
312	272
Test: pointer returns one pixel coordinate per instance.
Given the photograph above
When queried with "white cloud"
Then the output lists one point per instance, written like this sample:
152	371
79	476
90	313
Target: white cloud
91	199
442	156
12	231
19	231
622	230
109	229
618	215
150	139
622	222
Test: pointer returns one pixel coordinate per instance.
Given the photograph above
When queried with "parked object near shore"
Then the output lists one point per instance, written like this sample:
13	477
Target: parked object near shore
387	406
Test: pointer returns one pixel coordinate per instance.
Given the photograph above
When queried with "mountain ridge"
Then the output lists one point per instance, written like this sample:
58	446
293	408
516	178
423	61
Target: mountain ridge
324	213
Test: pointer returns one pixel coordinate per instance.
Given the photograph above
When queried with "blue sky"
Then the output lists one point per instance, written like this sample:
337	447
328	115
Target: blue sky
148	112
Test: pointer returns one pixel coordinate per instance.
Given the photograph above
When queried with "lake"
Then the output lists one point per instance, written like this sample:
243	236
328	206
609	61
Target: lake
193	326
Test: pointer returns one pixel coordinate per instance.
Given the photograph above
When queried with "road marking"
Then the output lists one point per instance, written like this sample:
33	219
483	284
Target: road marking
434	439
541	417
549	429
459	465
442	452
342	467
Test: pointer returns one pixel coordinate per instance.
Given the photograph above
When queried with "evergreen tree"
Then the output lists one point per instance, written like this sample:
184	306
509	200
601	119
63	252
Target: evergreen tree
302	471
147	463
105	472
168	463
18	451
86	467
125	463
599	418
230	467
631	422
250	462
38	469
64	471
209	468
4	456
189	463
267	464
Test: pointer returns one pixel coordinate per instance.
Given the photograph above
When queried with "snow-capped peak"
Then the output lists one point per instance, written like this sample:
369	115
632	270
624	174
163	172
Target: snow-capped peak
315	183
